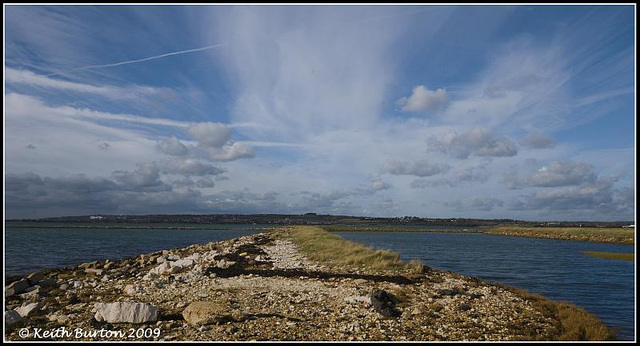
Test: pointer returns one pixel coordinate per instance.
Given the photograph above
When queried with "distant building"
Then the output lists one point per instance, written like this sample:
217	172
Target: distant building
96	217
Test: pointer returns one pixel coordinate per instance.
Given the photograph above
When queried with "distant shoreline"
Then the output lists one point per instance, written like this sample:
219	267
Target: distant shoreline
591	234
239	227
608	235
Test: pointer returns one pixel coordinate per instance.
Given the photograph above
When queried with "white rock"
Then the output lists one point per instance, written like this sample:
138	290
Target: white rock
31	290
60	318
26	309
126	312
180	265
357	299
223	264
173	257
93	271
131	289
195	256
31	295
160	269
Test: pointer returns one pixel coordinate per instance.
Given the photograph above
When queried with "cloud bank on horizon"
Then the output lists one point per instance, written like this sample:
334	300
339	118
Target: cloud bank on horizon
522	112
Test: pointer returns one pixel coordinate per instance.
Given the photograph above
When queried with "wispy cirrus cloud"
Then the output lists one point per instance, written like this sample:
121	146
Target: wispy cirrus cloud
328	103
31	79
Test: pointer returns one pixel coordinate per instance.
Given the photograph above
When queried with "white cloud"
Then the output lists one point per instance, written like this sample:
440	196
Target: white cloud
303	71
523	87
231	151
210	135
146	175
308	87
537	140
29	78
172	146
420	168
554	175
478	141
379	185
191	167
423	99
598	200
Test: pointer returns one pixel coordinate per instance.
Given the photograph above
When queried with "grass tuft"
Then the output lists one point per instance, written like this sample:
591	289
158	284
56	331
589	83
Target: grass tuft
322	246
574	323
627	256
593	234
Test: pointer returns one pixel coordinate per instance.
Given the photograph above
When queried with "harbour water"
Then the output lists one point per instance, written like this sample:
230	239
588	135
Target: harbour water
29	249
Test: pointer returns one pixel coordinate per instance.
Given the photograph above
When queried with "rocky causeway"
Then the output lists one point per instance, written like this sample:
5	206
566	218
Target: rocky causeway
260	287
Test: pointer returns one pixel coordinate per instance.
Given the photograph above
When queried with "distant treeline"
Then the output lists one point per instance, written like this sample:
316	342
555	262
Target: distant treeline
312	219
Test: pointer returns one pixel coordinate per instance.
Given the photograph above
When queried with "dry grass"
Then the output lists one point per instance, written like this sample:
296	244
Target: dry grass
574	323
601	235
322	246
627	256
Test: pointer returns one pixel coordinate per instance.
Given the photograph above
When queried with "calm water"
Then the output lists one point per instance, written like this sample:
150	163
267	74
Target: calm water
28	249
554	268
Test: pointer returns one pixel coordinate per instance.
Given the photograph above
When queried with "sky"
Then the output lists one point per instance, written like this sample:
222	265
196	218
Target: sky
518	112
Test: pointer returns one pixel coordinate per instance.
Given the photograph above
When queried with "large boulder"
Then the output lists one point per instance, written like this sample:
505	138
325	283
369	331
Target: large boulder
34	278
126	312
11	317
163	268
31	294
180	265
207	312
16	287
93	271
385	303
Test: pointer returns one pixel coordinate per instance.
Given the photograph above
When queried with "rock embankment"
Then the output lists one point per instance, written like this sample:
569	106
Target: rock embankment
260	287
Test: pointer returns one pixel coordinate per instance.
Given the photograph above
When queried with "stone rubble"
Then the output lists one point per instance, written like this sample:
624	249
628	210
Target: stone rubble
260	287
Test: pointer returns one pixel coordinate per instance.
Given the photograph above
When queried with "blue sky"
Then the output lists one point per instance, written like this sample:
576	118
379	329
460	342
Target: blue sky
523	112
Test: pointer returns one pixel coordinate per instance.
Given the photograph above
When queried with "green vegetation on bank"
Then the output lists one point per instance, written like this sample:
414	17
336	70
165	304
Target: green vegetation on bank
574	323
322	246
593	234
626	256
402	228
